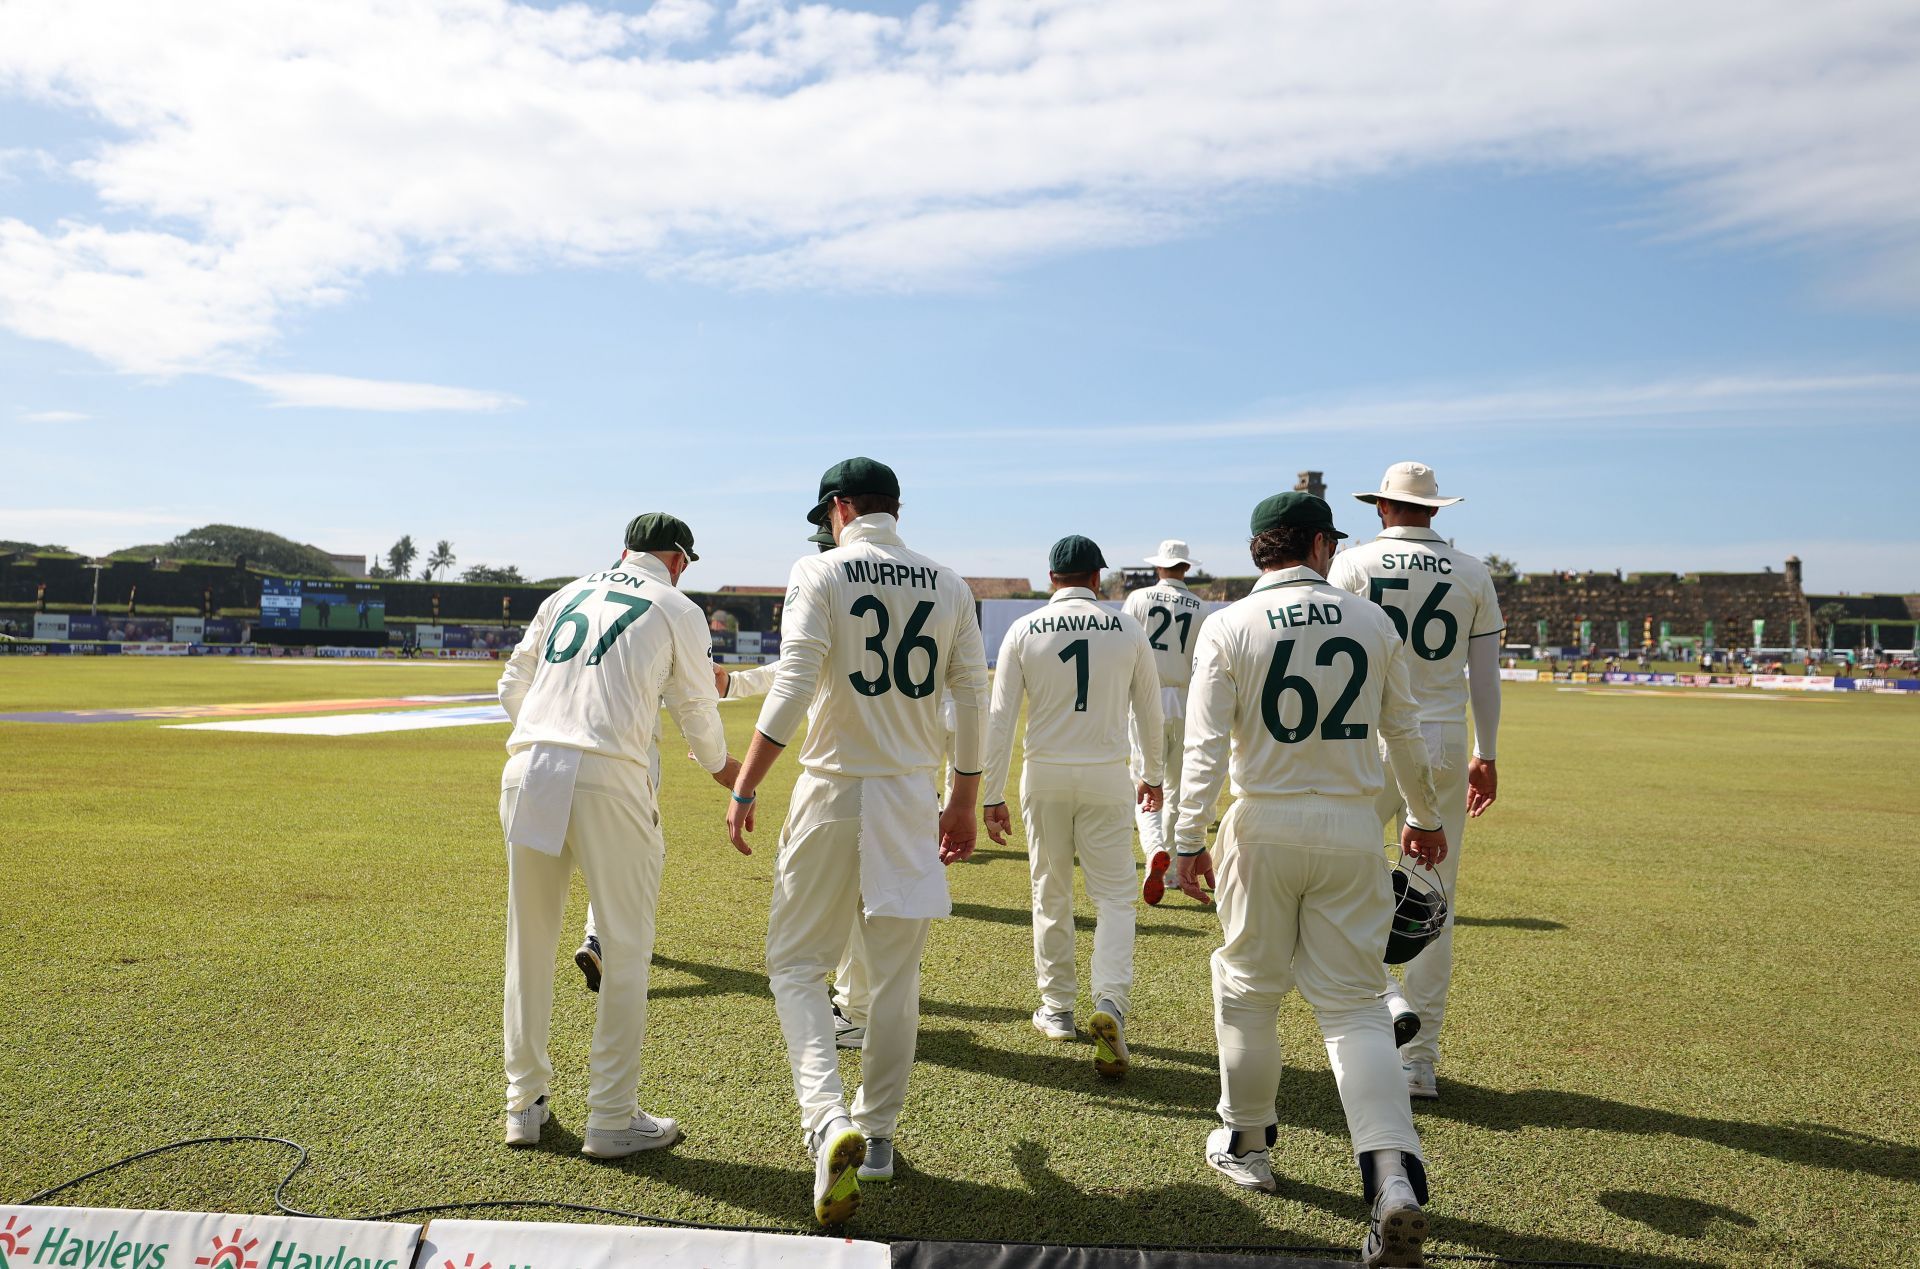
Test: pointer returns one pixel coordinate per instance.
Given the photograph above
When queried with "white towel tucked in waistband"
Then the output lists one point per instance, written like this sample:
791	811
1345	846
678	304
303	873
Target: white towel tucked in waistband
900	870
1173	702
544	800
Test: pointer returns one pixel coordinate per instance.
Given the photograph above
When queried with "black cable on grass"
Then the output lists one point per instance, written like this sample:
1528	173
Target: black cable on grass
556	1205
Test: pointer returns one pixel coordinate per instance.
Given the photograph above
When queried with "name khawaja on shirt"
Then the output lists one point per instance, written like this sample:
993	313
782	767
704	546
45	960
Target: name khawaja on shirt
887	573
1073	621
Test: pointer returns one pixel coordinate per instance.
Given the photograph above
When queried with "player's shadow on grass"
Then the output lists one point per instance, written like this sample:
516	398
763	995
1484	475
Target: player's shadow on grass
715	980
1511	923
1081	924
929	1007
1147	1088
1817	1145
1671	1214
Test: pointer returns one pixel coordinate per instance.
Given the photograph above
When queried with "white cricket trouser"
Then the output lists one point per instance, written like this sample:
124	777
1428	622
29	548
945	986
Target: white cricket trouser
852	992
1080	811
1305	901
1428	974
1156	827
613	836
816	896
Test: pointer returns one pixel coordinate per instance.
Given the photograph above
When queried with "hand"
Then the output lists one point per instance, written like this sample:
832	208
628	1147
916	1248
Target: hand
1425	848
1149	798
957	831
1192	869
728	773
1482	785
720	679
999	823
739	824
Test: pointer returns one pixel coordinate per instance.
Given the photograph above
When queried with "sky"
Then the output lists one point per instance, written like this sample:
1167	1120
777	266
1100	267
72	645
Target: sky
1640	280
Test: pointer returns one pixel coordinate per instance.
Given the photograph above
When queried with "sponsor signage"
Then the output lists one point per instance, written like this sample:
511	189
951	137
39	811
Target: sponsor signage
348	652
534	1245
111	1238
1521	676
156	649
50	625
189	629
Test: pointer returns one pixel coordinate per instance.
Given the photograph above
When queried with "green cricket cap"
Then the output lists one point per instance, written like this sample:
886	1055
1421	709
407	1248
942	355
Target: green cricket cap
658	531
1075	554
1294	510
823	539
850	477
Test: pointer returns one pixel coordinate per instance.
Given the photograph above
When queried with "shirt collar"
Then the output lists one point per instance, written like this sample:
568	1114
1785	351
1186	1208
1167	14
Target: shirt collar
1298	575
648	563
1408	533
1073	592
1172	581
879	528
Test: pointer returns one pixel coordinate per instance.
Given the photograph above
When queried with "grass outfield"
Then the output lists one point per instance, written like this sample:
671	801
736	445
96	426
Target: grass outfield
1679	1035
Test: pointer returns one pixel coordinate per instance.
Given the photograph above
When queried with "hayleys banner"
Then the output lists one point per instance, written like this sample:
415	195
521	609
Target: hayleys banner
112	1238
535	1245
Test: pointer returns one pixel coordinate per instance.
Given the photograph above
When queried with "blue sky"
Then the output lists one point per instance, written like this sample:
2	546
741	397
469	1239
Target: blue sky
520	273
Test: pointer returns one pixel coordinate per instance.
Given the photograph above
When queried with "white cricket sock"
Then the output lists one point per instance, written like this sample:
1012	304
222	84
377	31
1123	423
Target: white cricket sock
1388	1164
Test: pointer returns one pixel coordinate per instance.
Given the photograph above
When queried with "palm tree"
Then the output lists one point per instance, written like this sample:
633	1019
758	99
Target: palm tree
1830	615
441	559
400	556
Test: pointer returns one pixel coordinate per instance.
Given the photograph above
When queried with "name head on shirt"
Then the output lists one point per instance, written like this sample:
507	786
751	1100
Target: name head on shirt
887	573
1303	615
1073	622
1417	562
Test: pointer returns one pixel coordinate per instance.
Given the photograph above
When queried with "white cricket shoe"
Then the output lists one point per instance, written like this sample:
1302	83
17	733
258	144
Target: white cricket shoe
878	1165
838	1151
1399	1228
1250	1171
1109	1040
523	1126
1420	1080
645	1133
1055	1024
847	1033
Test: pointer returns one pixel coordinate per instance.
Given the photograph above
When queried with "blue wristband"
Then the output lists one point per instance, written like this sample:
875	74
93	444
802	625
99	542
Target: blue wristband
747	800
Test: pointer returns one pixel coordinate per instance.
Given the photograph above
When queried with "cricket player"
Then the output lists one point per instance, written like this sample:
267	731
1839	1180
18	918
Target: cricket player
1443	604
873	629
584	689
1302	681
1172	615
740	686
1083	670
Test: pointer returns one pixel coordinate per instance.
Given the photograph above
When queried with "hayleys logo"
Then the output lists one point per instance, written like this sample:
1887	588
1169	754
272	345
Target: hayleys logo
13	1243
230	1252
485	1264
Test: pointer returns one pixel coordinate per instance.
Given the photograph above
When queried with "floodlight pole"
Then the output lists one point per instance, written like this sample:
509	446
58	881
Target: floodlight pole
96	566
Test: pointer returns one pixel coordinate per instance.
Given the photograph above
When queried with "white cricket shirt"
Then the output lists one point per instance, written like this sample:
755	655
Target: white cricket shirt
1171	615
876	629
1301	680
598	659
1082	668
1438	598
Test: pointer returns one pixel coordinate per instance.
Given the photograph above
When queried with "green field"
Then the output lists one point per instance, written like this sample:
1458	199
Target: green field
1680	1032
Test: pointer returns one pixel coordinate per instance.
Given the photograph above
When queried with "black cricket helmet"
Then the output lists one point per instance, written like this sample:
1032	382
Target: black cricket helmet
1419	913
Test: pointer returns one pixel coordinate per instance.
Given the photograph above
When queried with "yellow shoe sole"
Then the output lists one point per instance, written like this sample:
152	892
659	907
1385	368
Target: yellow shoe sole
1109	1050
845	1154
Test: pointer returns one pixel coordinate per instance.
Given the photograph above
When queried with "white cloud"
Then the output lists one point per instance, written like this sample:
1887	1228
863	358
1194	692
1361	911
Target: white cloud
262	156
52	416
1726	400
339	392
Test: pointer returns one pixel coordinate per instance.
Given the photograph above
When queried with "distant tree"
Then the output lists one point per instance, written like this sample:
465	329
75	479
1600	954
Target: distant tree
1830	615
1501	566
377	569
400	556
508	576
440	561
258	547
31	548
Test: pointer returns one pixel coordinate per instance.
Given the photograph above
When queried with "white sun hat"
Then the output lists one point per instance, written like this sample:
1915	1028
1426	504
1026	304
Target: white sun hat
1173	553
1410	482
